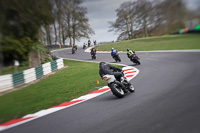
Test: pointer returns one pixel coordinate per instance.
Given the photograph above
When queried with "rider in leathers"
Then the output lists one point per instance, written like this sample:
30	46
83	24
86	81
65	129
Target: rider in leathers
130	53
108	69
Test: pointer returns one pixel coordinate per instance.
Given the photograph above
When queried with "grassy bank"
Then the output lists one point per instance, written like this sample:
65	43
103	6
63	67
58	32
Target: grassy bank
169	42
78	79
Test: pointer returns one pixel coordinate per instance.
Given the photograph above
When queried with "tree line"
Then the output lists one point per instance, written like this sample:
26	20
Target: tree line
27	26
143	18
70	23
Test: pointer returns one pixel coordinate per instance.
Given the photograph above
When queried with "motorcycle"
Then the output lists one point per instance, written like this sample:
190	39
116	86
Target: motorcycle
93	55
118	88
73	50
89	44
135	59
84	46
116	57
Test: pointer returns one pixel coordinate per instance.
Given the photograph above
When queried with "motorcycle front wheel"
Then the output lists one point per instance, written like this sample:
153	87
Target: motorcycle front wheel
131	88
119	59
116	90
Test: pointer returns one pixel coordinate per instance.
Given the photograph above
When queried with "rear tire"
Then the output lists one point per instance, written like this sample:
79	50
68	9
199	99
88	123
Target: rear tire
116	90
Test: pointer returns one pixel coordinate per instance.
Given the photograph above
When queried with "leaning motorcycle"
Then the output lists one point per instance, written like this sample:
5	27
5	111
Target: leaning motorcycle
116	57
118	88
135	59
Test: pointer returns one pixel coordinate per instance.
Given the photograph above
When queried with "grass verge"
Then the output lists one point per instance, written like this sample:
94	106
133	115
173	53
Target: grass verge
78	79
168	42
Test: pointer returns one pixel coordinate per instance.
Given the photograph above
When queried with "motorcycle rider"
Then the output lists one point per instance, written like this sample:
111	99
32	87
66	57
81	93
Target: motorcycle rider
89	42
113	52
95	42
109	69
130	53
93	50
74	47
84	45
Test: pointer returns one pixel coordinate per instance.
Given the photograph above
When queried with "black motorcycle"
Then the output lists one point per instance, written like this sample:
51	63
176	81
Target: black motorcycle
89	44
135	59
93	55
84	46
73	50
116	57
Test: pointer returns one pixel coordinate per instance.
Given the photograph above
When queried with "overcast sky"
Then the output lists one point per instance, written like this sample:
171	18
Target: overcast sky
99	13
102	11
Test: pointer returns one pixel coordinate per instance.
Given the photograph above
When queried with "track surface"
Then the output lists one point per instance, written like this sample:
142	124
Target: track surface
166	100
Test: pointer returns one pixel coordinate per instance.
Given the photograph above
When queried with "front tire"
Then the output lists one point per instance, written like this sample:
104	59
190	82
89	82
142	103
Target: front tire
116	90
119	59
138	62
131	88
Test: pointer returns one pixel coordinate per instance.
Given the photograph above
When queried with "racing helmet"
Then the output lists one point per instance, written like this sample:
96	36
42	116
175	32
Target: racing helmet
102	63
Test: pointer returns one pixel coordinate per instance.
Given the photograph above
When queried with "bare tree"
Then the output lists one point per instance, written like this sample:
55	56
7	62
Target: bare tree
172	14
144	18
125	21
80	26
70	22
144	15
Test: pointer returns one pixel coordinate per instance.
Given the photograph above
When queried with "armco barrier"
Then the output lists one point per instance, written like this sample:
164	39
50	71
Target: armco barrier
10	81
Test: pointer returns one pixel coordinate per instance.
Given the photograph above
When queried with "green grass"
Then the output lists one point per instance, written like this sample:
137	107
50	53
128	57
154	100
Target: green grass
78	79
168	42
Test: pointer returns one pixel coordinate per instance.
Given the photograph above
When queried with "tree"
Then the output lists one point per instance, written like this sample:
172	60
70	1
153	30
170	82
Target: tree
172	15
20	26
144	18
70	21
131	17
144	15
80	26
124	22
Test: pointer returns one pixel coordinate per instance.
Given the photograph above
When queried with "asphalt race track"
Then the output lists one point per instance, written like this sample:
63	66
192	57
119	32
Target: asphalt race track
166	100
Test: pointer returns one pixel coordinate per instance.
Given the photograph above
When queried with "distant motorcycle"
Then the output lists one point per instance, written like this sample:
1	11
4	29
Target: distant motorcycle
118	88
73	50
89	44
116	57
135	59
84	46
93	55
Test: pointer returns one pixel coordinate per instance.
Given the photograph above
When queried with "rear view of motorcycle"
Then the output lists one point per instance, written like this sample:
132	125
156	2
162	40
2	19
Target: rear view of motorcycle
84	46
93	55
135	59
116	57
118	88
73	50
